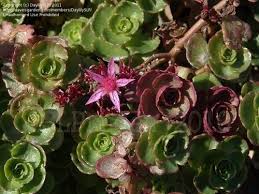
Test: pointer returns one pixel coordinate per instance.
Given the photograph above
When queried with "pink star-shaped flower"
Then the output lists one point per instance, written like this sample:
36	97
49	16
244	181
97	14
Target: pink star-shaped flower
108	85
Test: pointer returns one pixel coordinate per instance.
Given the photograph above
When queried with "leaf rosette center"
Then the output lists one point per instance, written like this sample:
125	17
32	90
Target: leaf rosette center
47	68
225	169
228	56
103	142
33	117
16	169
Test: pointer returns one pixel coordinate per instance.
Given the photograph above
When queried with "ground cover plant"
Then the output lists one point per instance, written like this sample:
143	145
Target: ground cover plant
129	96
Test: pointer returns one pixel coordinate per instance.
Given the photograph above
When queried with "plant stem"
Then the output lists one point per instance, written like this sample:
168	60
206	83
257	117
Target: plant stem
181	42
168	12
152	58
195	28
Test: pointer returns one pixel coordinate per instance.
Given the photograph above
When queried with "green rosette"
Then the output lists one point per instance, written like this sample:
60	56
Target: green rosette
97	135
226	63
115	31
33	117
45	65
164	145
22	168
219	166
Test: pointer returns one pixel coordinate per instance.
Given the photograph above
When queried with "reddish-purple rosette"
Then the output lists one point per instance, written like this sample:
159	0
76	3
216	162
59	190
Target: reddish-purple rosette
221	115
165	94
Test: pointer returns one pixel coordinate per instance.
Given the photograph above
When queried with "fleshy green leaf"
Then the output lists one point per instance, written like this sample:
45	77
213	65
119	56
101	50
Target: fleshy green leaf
199	147
234	143
118	122
143	151
6	124
205	81
197	51
91	124
43	135
141	44
28	153
142	124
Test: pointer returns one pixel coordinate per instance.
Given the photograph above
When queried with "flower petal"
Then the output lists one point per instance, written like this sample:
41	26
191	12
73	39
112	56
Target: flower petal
95	76
96	96
115	99
111	68
123	82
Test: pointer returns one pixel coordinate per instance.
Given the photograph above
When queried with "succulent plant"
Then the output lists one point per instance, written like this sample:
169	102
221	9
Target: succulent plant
226	63
33	117
45	65
165	94
249	114
221	114
220	165
72	31
164	146
114	31
22	168
97	135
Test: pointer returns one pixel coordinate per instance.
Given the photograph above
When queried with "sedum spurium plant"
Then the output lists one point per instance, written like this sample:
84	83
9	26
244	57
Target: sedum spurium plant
22	168
72	31
112	31
33	117
226	63
104	99
168	95
163	146
220	165
97	139
45	64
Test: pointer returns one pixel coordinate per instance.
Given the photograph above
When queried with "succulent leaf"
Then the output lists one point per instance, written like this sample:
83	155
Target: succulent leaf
248	112
71	31
204	81
222	165
164	145
114	31
32	117
98	134
197	51
235	31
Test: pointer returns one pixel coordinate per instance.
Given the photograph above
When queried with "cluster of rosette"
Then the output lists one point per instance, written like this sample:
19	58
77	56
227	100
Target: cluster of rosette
119	151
